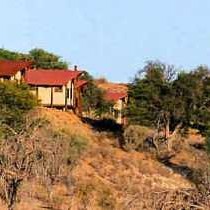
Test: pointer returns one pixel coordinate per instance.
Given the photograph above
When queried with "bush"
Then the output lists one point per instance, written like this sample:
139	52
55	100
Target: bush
15	101
135	136
94	103
77	146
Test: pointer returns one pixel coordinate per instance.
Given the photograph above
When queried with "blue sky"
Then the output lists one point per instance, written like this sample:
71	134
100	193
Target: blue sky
111	38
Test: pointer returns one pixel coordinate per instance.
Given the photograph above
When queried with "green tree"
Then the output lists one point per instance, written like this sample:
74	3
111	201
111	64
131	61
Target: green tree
10	55
160	99
93	98
150	96
46	60
41	58
15	101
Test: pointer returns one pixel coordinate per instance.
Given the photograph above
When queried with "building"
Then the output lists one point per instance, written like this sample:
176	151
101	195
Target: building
52	87
56	88
117	94
119	100
13	70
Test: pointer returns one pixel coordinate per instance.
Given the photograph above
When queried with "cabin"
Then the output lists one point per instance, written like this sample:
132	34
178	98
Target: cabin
117	94
13	70
119	100
53	87
56	88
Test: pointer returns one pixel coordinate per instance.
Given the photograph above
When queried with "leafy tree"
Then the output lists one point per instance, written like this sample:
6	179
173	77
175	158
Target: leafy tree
46	60
15	101
168	102
93	98
41	58
10	55
192	97
150	95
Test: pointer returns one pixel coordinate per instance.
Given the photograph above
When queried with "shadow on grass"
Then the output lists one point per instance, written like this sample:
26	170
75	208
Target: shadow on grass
183	170
107	125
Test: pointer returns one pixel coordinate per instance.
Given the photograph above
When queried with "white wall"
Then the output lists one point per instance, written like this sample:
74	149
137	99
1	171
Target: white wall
44	95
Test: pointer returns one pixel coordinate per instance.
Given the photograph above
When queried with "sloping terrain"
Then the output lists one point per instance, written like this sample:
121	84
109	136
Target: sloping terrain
117	87
106	177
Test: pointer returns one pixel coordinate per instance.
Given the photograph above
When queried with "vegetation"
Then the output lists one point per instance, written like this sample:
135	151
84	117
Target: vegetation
37	152
16	161
10	55
168	101
135	137
41	58
15	102
16	154
93	98
164	104
46	60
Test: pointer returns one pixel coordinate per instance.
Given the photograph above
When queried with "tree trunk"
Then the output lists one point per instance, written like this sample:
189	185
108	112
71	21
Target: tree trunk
167	128
171	138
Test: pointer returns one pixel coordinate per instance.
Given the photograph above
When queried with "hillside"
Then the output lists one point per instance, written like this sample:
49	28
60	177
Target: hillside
109	86
106	177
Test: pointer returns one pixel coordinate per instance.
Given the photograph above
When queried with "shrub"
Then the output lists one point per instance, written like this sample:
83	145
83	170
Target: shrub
77	146
135	136
94	104
58	154
17	158
15	101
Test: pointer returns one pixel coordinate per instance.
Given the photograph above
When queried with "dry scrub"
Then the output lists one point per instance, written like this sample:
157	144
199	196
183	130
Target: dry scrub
77	168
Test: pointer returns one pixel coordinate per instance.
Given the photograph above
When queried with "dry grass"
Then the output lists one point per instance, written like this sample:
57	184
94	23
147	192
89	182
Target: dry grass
106	177
113	86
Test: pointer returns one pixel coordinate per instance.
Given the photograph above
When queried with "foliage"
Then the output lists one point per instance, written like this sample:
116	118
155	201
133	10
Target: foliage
37	151
17	157
59	152
93	98
77	145
41	58
192	95
169	102
135	137
207	136
15	102
46	60
10	55
149	94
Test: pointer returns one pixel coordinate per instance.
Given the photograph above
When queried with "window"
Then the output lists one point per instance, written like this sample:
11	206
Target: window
58	89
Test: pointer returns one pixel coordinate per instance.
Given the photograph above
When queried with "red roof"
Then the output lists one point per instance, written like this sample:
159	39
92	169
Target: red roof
50	77
114	96
10	68
81	83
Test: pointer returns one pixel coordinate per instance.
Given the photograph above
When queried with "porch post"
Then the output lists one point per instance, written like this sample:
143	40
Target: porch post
51	104
66	94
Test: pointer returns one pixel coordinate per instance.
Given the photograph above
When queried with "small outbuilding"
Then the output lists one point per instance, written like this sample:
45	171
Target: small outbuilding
55	88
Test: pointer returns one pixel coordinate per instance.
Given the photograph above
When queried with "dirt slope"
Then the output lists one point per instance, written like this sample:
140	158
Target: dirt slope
117	87
106	176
